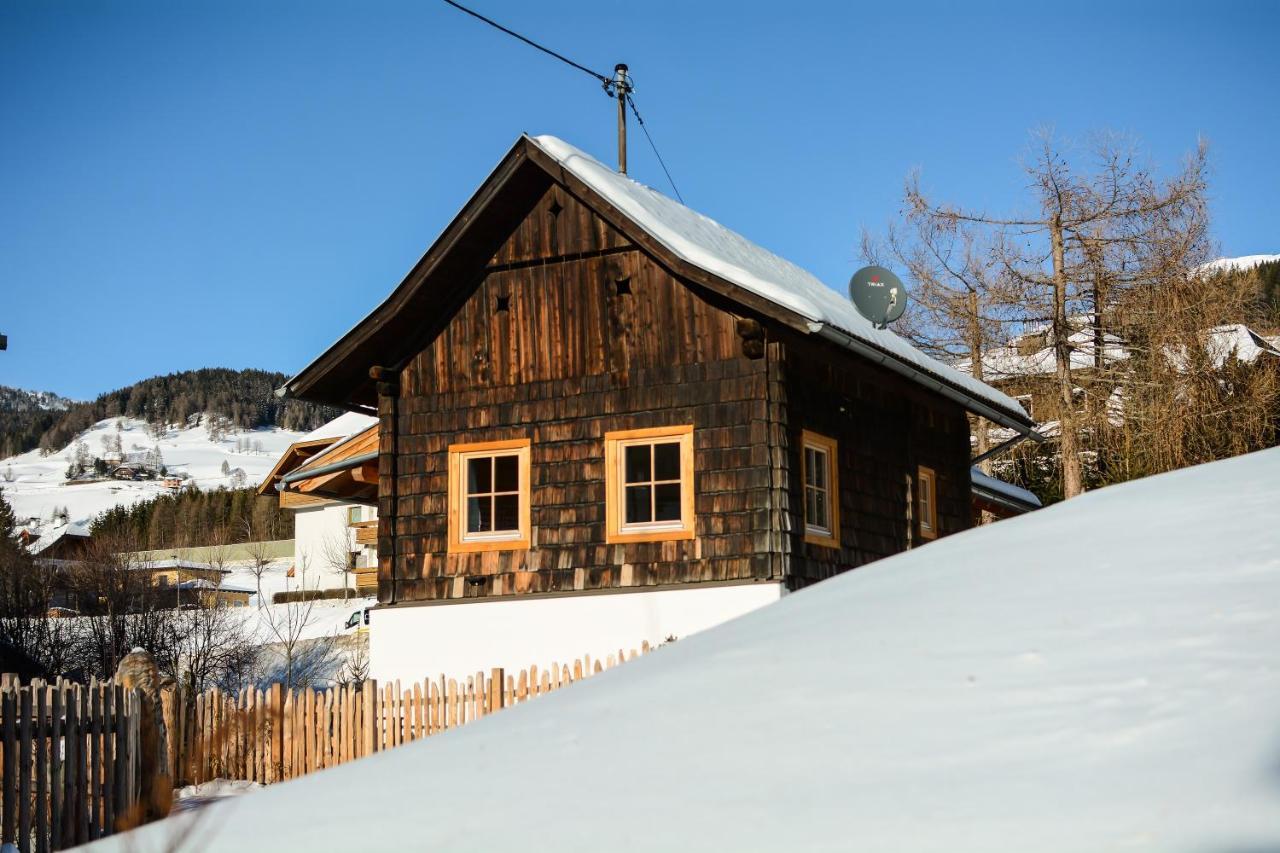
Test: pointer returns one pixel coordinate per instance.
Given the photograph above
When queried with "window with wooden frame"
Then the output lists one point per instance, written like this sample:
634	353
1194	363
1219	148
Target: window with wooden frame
821	489
489	496
927	502
649	484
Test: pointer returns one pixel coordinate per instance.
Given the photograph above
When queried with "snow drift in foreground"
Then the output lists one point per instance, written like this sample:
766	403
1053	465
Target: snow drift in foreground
1100	675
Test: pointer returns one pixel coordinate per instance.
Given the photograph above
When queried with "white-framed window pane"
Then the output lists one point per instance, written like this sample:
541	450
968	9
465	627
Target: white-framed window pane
479	475
479	515
666	461
637	463
638	504
666	502
506	512
506	473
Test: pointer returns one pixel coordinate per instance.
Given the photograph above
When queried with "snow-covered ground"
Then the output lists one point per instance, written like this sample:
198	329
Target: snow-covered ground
39	485
327	616
1099	675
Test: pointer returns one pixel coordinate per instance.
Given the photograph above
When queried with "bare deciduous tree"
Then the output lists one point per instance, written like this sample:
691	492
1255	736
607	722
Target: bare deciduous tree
1093	236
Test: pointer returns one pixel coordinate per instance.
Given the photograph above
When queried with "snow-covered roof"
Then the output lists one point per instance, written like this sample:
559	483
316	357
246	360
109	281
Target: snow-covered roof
1239	341
1243	262
344	425
989	691
985	482
707	244
1016	359
202	583
1031	353
73	530
175	563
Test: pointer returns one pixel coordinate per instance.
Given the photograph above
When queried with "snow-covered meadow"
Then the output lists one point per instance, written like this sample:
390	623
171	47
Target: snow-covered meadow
37	486
1100	675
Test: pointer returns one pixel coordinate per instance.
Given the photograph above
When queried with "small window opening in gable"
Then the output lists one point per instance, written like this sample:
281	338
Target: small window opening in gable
503	303
819	456
555	208
623	286
649	484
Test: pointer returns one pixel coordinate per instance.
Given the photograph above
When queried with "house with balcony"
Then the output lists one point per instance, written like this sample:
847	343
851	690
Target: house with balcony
335	525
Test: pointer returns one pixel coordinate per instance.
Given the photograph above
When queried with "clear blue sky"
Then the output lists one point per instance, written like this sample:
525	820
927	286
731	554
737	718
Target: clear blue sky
235	183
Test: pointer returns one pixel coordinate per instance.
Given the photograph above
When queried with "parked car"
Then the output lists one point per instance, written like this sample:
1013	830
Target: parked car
359	619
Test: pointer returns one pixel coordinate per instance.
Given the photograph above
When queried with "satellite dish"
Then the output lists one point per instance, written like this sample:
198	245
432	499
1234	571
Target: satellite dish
878	294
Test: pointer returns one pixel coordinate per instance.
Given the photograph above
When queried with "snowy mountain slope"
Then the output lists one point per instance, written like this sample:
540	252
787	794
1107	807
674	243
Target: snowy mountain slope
1245	262
21	400
1099	675
39	485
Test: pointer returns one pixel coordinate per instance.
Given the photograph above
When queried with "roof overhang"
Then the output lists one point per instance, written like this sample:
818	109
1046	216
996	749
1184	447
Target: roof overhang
346	471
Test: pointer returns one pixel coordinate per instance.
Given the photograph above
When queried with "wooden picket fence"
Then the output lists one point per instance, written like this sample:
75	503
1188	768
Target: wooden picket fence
71	768
274	734
71	757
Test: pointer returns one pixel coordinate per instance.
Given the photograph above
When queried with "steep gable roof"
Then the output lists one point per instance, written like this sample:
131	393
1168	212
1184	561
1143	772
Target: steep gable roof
694	246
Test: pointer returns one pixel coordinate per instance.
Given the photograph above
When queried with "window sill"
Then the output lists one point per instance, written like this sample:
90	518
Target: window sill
477	545
622	537
821	540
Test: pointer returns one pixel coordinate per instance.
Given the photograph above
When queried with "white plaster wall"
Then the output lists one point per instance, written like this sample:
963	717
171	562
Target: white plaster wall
413	642
313	527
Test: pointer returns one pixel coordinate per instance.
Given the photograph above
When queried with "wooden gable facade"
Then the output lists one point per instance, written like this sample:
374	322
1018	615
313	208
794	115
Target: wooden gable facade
551	324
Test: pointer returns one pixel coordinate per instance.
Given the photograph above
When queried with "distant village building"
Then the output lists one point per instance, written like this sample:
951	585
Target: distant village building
66	542
604	418
133	471
335	519
1025	367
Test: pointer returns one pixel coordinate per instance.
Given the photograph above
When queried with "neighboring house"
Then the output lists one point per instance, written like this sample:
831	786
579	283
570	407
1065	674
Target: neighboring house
174	572
132	471
331	529
605	418
1025	367
209	594
68	542
998	498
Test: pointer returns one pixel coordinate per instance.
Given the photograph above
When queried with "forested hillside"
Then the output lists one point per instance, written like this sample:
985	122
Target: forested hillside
1264	280
25	416
194	517
246	398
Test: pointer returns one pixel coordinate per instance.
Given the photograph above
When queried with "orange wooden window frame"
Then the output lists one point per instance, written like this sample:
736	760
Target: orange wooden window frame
458	454
830	447
615	483
927	486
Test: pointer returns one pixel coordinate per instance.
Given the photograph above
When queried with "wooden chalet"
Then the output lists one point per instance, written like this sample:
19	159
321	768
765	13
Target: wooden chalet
585	387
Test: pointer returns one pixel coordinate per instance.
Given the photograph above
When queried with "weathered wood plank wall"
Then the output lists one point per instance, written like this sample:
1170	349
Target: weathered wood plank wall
571	332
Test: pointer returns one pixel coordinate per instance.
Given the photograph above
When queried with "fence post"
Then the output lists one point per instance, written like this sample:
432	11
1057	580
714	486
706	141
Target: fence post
94	799
370	688
42	767
276	711
55	767
24	768
497	681
109	750
8	794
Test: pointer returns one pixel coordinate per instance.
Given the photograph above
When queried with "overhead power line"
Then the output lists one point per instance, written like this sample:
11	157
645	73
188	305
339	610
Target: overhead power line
619	87
661	162
608	83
